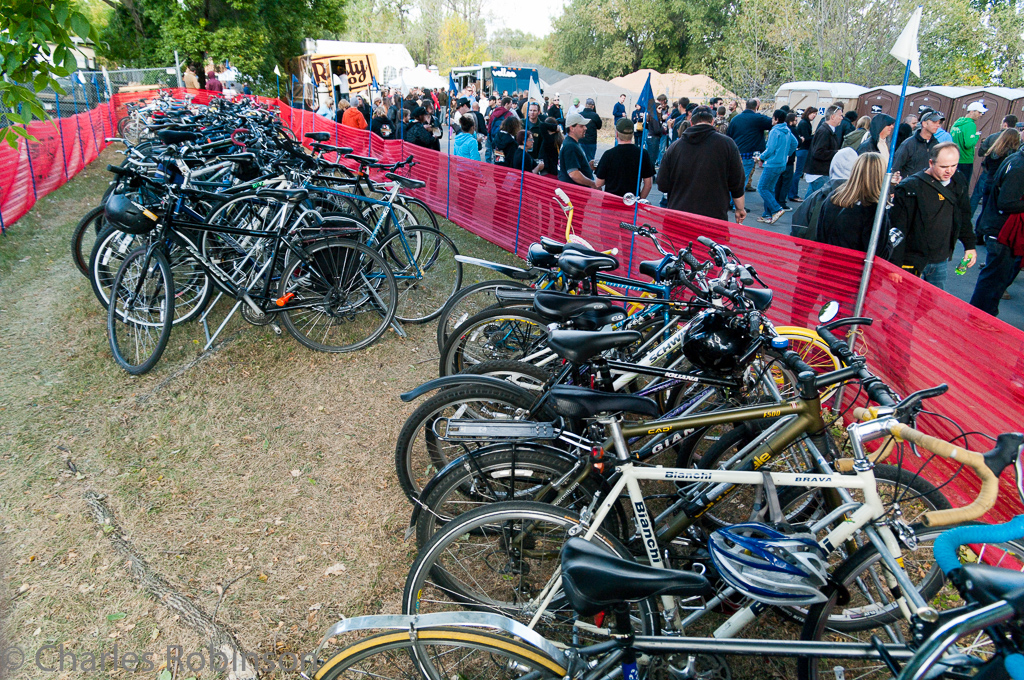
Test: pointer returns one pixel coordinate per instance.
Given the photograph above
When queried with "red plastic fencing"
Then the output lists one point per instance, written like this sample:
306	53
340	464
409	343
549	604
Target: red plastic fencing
62	148
921	336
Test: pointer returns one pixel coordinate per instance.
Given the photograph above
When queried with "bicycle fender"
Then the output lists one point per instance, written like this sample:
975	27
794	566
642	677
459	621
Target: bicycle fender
462	379
417	506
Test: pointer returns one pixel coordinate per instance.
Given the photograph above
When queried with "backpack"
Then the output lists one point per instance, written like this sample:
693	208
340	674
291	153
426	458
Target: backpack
492	136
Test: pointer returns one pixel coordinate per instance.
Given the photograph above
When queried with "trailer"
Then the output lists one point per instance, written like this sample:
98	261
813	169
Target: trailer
491	77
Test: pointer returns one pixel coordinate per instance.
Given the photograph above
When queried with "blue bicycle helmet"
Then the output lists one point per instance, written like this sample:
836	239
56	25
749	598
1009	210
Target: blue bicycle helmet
769	565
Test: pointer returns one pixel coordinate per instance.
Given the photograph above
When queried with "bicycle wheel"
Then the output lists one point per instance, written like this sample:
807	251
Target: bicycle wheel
469	301
420	452
814	352
519	373
499	558
83	238
340	296
509	472
139	320
420	211
863	576
426	271
513	333
441	654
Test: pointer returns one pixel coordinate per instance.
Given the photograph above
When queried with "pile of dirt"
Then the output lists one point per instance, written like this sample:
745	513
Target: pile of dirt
603	93
698	87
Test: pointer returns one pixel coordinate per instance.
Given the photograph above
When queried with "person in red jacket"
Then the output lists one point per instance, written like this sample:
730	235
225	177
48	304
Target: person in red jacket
351	116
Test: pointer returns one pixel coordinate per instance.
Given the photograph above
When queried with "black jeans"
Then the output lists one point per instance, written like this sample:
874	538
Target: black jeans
1000	270
782	188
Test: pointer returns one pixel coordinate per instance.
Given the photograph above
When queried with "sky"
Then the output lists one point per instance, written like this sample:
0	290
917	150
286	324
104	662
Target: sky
531	16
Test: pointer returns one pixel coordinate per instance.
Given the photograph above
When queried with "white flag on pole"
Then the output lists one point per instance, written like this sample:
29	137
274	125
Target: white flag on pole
277	71
535	94
905	48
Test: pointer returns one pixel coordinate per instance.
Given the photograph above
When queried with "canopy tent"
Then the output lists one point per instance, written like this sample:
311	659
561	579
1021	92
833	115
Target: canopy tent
418	77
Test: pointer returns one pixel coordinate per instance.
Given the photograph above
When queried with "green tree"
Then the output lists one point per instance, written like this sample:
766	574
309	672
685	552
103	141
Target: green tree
458	44
37	49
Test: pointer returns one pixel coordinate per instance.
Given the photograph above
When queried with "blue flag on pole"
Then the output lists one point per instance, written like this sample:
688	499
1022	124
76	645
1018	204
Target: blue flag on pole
373	82
451	84
646	94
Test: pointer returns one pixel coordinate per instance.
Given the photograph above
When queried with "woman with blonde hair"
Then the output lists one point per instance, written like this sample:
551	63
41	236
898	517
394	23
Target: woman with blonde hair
854	139
848	214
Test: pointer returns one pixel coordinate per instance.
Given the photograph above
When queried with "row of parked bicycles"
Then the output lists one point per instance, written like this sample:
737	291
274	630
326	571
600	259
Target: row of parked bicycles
222	199
642	478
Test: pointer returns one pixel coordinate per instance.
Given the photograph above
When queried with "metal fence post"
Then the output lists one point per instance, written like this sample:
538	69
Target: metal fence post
78	121
60	131
28	154
177	69
85	95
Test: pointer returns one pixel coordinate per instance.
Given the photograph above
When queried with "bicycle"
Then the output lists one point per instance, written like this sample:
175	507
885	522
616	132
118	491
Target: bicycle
597	583
333	294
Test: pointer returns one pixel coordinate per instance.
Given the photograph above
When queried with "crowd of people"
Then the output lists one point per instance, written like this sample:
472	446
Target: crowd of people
704	158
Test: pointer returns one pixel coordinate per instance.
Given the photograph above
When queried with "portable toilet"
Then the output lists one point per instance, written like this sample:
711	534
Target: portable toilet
885	99
937	99
805	94
997	100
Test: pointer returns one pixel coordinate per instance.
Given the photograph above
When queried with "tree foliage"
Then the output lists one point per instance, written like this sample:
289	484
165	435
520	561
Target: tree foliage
37	49
255	35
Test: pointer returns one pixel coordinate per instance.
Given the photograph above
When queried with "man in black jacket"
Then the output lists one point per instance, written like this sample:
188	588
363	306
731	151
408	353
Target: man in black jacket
824	145
420	132
933	211
913	154
702	171
1005	198
747	130
589	141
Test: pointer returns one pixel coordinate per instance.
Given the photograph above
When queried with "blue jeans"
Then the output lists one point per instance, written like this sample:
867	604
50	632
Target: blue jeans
748	167
936	274
590	150
766	189
801	160
489	153
815	185
1000	270
980	193
661	149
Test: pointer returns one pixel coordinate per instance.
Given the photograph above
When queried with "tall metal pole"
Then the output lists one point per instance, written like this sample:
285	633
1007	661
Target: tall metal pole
177	69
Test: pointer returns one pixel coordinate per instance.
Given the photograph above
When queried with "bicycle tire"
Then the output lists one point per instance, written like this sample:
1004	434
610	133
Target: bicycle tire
521	374
84	236
820	623
405	655
469	301
336	284
419	454
419	211
492	477
502	333
517	557
139	326
426	271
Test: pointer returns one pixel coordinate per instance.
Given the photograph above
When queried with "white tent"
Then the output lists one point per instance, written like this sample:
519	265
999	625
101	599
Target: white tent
419	77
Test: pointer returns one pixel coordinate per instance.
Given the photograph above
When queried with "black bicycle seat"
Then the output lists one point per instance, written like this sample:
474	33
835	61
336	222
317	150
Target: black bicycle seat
176	136
761	297
330	148
551	245
580	347
238	157
562	306
579	266
652	267
594	579
986	584
318	136
538	256
407	182
572	401
363	160
290	195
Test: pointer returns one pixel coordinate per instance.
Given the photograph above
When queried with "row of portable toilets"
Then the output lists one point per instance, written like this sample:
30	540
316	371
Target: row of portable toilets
952	101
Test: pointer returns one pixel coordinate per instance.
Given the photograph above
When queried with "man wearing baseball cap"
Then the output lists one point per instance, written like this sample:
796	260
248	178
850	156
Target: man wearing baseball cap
573	164
912	155
589	141
965	136
621	164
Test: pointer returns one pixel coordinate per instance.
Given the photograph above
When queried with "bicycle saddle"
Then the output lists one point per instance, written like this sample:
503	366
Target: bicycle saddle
580	266
407	182
572	401
556	248
364	160
581	346
290	195
652	267
594	579
238	157
538	256
330	148
176	136
986	584
318	136
761	297
587	313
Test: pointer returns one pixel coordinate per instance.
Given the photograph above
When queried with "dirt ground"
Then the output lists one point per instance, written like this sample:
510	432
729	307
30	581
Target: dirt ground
265	462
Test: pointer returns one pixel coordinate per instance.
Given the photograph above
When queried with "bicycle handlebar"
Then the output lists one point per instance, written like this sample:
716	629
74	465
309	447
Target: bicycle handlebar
947	543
